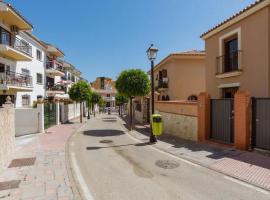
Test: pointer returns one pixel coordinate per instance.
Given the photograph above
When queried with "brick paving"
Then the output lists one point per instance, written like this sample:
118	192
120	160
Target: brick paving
48	178
251	167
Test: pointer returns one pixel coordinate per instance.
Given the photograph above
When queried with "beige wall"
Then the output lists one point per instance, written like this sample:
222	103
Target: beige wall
255	56
186	77
180	108
7	135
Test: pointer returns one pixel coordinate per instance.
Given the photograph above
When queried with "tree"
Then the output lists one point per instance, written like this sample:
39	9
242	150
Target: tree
102	103
95	99
133	82
120	100
80	92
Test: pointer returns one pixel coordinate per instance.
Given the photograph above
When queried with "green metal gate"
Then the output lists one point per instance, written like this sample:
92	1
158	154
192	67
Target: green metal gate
49	115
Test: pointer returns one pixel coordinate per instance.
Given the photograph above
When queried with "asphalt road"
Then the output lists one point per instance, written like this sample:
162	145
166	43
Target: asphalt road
111	165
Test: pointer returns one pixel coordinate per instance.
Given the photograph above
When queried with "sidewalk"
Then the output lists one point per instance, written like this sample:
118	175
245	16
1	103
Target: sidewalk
250	167
46	178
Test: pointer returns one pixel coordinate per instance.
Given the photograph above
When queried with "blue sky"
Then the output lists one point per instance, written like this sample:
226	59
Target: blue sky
104	37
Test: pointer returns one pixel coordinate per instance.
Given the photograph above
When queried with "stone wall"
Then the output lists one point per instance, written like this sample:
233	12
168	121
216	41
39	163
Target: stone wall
181	126
180	118
7	135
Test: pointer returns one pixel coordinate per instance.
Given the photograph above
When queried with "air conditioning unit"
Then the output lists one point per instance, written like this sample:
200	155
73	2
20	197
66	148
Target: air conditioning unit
14	29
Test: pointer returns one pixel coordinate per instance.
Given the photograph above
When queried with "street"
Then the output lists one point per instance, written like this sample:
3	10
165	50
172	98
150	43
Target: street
110	164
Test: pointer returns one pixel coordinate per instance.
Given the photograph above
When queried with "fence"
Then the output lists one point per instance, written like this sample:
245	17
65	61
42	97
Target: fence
69	111
29	120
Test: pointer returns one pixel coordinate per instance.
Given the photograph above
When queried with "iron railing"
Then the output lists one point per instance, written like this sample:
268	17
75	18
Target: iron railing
16	79
54	65
162	84
23	46
59	88
229	63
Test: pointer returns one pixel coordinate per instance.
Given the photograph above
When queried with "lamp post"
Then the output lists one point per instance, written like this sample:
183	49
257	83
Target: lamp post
152	54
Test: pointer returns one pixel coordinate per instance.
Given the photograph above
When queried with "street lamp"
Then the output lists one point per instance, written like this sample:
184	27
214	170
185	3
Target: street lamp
152	54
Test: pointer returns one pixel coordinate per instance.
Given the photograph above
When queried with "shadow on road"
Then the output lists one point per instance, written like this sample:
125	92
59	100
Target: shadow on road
103	133
115	146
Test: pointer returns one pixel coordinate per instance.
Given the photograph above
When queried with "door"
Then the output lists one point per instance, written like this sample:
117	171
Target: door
261	123
222	119
49	115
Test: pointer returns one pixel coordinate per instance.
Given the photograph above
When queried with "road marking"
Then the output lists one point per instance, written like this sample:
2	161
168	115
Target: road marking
85	189
165	153
246	185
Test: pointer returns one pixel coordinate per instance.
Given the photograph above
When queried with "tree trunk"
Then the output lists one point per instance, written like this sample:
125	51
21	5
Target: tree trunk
81	112
130	113
94	111
121	110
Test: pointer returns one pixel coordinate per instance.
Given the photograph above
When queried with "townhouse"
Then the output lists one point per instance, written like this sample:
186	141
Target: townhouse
106	88
238	53
180	76
21	59
238	68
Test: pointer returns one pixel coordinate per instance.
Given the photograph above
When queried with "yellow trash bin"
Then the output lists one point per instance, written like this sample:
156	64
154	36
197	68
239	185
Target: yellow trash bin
157	126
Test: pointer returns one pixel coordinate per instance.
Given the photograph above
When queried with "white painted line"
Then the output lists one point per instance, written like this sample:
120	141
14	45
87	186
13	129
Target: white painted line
246	185
165	153
85	189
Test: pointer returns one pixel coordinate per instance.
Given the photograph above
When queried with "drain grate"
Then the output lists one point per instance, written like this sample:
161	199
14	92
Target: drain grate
7	185
21	162
167	164
106	141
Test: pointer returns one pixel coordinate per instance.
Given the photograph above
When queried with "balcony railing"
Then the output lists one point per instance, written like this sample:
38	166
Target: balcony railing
54	65
229	63
23	46
162	84
16	79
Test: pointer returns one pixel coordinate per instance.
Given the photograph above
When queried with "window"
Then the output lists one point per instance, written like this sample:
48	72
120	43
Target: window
5	37
231	54
39	55
26	100
102	83
228	93
2	68
39	78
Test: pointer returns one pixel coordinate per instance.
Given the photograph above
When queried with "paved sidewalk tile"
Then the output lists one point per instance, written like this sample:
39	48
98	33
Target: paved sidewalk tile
248	166
47	179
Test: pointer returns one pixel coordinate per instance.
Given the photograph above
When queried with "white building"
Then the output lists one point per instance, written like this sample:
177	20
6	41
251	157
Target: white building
21	59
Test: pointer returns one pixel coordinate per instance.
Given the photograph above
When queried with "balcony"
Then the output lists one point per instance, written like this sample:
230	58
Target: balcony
12	80
52	90
10	16
109	98
229	65
18	51
54	68
162	85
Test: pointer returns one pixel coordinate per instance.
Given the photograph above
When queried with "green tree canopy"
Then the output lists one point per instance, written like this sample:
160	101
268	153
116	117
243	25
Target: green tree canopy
80	91
121	99
133	82
95	98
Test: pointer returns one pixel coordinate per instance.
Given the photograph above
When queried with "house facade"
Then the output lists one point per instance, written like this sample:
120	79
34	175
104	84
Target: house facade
180	76
21	59
238	53
106	88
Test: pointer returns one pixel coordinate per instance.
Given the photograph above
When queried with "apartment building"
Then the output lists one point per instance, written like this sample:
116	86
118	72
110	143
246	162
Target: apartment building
21	59
238	53
180	76
106	88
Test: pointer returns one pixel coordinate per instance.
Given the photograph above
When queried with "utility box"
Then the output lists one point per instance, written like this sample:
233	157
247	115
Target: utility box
157	126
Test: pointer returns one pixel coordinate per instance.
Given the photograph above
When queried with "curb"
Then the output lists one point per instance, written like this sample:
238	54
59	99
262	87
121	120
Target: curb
76	189
193	161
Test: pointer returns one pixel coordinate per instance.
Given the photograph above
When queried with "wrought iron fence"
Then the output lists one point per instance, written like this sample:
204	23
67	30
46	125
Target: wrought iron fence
229	63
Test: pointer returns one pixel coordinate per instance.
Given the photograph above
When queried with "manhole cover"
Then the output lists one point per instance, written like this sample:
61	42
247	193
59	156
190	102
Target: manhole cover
106	141
7	185
167	164
21	162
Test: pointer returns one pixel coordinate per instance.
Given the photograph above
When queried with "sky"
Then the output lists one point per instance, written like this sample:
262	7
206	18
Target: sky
104	37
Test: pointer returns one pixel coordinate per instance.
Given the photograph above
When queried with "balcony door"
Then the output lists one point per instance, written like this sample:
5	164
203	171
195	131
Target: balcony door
231	54
5	37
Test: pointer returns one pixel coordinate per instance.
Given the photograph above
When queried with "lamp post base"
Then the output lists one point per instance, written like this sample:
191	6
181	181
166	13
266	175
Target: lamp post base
153	139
